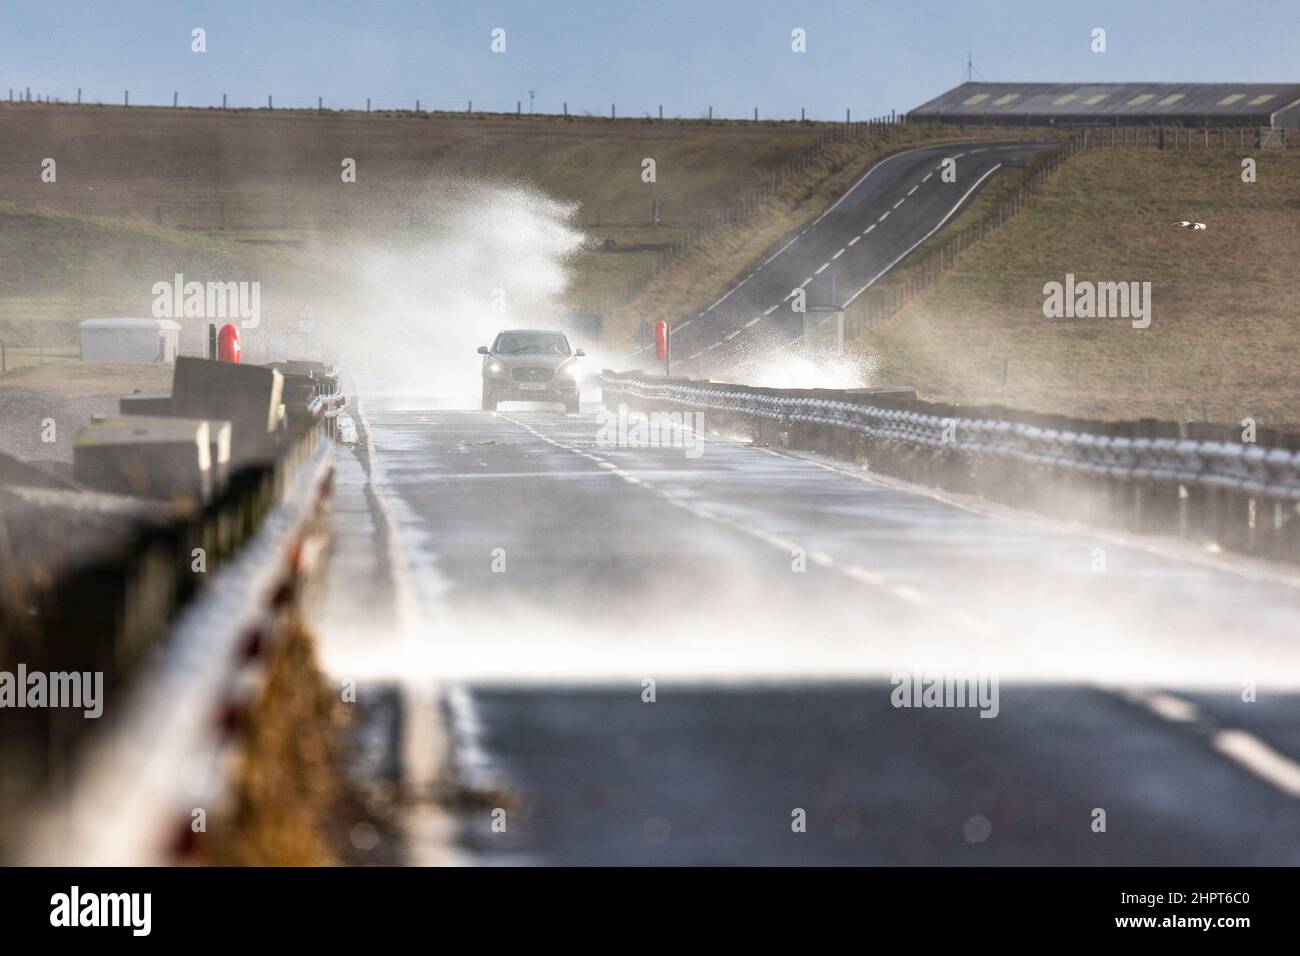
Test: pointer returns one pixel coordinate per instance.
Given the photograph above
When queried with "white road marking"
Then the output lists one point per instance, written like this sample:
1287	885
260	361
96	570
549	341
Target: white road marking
773	309
1260	759
1243	748
820	269
1170	707
883	217
900	202
939	225
838	254
914	189
830	209
750	322
805	282
869	228
734	334
901	591
926	177
854	240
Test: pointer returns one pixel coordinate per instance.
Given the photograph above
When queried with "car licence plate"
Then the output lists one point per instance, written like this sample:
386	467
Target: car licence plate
531	386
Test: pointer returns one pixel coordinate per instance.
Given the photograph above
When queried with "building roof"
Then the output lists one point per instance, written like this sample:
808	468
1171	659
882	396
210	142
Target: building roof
130	324
1231	101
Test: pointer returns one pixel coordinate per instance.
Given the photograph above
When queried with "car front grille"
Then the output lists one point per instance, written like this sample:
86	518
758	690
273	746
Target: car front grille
531	374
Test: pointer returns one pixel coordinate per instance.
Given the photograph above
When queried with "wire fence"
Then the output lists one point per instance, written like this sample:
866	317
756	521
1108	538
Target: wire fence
155	99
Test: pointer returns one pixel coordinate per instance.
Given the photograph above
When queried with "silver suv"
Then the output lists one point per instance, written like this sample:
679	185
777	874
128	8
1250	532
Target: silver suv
530	365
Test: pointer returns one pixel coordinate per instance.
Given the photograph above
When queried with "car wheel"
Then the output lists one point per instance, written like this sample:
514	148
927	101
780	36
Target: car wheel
489	403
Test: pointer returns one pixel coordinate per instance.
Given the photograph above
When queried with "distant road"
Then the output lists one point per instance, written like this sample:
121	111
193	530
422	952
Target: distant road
887	213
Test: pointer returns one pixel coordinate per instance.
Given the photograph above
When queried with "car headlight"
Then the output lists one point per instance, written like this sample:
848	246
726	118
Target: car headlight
494	368
573	369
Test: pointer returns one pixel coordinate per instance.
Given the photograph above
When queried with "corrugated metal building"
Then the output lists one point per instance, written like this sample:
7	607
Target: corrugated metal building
1116	104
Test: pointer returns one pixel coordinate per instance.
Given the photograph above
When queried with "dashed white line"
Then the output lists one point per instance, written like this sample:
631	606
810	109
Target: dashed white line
926	177
900	202
869	228
771	310
805	282
1260	759
914	189
733	335
854	240
939	225
820	269
883	217
838	254
750	322
1244	749
903	592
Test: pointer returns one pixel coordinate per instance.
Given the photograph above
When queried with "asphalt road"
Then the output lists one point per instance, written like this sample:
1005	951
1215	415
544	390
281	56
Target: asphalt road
894	207
772	598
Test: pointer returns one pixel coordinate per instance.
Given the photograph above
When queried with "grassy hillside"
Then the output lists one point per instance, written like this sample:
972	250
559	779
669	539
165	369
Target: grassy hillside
141	193
1226	308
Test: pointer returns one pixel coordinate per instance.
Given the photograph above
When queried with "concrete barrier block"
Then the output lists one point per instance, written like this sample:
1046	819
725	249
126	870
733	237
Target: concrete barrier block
247	396
148	456
146	402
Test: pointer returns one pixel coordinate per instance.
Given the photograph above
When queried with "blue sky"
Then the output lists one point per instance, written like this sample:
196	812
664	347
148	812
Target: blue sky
870	55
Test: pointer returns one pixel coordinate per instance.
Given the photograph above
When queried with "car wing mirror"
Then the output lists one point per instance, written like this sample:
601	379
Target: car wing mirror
482	350
578	353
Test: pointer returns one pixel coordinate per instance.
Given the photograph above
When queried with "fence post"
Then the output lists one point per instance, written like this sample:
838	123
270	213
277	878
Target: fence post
126	97
175	99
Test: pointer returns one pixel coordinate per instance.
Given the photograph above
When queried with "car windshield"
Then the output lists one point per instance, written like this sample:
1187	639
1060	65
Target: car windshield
531	343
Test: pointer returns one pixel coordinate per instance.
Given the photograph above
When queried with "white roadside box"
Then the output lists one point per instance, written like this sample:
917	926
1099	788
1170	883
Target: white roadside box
127	340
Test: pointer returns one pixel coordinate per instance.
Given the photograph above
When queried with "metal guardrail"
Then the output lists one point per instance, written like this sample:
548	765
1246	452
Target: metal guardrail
1193	479
169	638
137	781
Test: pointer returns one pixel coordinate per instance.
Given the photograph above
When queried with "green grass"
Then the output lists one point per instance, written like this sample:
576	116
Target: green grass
145	193
1225	301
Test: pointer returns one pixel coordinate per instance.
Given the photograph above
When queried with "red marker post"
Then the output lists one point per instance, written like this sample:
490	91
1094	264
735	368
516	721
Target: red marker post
661	344
228	344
